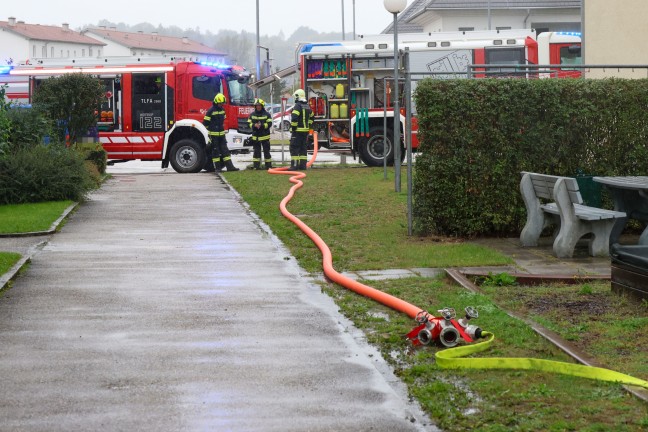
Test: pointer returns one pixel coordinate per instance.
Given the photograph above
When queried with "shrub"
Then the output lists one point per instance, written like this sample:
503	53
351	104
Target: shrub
29	127
43	173
71	101
5	124
95	154
476	136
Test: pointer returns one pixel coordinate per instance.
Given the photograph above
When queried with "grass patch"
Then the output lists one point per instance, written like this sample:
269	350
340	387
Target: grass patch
487	400
359	216
608	326
21	218
364	223
7	260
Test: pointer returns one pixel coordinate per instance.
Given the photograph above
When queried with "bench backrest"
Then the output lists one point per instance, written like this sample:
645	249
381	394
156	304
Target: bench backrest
543	184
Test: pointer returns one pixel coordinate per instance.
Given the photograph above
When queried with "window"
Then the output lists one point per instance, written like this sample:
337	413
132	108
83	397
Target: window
205	87
147	84
44	51
89	51
83	52
571	55
505	56
239	92
34	51
52	52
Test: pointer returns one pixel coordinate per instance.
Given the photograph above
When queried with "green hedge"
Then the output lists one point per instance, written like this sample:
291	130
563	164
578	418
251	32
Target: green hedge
44	173
478	135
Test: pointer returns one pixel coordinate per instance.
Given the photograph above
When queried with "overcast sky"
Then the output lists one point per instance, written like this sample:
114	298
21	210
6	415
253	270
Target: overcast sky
275	15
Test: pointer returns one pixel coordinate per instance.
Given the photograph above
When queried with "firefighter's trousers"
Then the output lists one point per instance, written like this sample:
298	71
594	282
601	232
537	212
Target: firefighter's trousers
258	146
298	154
220	152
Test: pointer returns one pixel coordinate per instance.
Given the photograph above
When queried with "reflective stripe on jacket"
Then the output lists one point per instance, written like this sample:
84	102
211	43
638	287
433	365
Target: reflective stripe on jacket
301	119
214	120
263	117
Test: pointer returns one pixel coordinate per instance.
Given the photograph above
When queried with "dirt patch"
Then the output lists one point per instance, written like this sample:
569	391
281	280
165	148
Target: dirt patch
591	305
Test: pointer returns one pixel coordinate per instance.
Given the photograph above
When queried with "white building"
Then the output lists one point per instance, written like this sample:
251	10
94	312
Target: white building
140	44
432	16
20	42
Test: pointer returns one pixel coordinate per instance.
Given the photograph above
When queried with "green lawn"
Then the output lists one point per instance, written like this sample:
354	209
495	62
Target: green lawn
21	218
364	223
7	260
360	217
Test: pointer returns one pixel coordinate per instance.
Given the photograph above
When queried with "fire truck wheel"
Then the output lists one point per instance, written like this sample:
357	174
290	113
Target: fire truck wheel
187	156
373	149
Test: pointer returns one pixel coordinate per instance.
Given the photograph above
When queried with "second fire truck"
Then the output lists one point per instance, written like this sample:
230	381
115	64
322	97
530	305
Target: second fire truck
153	109
349	83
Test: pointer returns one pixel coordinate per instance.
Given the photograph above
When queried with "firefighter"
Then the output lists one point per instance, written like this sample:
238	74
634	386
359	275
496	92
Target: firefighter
260	121
214	121
301	121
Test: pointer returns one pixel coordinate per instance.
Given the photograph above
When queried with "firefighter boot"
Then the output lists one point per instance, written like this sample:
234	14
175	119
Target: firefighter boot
268	165
293	164
218	166
256	165
230	166
302	165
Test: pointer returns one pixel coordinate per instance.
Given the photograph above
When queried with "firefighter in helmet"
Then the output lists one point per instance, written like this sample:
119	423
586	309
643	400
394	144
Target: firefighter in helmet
214	121
260	122
301	121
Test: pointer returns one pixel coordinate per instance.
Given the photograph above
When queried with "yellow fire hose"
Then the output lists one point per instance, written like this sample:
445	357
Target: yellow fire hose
454	358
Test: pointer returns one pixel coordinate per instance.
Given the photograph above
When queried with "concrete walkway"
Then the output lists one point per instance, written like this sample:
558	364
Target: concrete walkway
163	306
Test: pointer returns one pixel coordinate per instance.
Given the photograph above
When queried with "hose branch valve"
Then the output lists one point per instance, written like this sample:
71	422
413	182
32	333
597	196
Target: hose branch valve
445	330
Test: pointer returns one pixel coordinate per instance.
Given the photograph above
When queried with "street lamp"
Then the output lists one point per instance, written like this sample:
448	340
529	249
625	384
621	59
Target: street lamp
258	50
343	35
395	7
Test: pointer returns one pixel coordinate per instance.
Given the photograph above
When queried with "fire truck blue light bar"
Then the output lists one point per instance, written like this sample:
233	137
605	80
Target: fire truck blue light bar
216	65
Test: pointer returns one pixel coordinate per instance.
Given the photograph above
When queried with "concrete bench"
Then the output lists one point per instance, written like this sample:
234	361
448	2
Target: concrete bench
562	205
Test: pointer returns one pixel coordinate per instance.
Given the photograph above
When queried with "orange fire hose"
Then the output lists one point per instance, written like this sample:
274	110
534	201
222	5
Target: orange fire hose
452	357
327	259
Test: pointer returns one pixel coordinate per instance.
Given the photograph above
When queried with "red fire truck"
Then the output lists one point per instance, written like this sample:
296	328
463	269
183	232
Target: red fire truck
349	83
153	109
560	48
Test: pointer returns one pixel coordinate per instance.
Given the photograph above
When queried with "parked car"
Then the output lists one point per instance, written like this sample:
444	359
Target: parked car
282	120
273	109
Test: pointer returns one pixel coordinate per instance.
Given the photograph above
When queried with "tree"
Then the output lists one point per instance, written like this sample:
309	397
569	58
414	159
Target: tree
71	101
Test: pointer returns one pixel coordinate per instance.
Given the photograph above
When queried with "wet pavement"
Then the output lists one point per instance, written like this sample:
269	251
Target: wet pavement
163	304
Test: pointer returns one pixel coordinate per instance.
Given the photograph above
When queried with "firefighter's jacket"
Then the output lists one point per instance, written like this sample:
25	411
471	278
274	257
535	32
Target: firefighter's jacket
214	120
263	119
301	119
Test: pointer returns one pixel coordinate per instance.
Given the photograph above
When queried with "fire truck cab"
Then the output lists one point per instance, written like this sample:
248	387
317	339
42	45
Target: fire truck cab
560	48
153	109
349	83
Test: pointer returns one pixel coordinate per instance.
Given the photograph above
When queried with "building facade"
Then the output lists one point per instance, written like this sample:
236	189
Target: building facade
430	16
129	44
21	42
615	35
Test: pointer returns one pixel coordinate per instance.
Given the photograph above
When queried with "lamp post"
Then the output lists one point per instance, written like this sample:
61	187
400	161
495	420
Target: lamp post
258	50
489	14
343	35
395	7
354	30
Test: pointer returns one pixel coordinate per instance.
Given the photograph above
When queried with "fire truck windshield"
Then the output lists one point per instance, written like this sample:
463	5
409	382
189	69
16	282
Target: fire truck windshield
239	92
